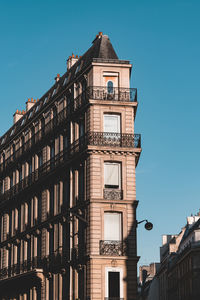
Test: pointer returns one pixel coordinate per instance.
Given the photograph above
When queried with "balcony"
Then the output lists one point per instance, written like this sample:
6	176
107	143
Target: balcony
114	139
112	194
118	94
112	248
91	93
48	263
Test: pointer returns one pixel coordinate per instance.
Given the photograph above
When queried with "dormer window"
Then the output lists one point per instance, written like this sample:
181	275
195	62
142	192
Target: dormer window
54	91
3	140
30	115
36	108
22	123
45	100
77	68
13	130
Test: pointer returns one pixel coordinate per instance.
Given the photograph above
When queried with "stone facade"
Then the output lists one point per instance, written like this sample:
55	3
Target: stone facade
68	195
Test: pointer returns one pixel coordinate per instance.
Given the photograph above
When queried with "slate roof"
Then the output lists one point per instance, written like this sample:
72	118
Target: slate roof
100	51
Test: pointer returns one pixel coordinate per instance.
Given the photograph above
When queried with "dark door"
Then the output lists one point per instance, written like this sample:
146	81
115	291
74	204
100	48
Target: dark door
113	286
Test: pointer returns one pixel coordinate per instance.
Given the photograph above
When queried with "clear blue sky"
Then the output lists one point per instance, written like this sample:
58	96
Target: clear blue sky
162	40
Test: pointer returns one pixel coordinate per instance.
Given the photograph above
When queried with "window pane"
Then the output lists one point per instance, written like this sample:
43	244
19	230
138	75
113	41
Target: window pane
112	175
112	226
112	123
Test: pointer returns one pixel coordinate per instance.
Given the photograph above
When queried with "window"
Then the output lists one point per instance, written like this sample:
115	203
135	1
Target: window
13	130
40	159
110	88
112	123
37	108
54	91
45	100
112	175
112	226
22	123
11	181
77	69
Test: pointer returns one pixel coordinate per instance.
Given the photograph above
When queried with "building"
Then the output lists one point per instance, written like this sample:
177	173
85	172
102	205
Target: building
148	282
68	197
179	273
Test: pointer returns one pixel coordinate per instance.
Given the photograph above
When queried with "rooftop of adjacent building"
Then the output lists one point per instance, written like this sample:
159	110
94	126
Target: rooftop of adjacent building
176	243
100	51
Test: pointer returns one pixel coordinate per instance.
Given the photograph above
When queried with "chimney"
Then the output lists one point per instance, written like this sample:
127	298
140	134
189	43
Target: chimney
71	61
30	103
57	78
17	115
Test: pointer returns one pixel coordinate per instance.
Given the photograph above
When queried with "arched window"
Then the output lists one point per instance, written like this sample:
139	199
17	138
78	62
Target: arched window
110	88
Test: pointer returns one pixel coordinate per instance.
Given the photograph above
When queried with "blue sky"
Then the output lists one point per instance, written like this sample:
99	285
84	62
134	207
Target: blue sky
161	38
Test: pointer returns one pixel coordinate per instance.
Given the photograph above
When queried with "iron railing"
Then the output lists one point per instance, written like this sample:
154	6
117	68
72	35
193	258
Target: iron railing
90	138
47	264
112	248
93	93
116	94
114	139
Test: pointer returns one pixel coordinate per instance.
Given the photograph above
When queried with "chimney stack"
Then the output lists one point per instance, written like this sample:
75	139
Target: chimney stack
17	115
30	103
57	78
71	61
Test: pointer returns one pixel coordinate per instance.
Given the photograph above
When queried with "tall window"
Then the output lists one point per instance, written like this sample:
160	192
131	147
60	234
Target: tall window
112	123
112	226
110	88
40	159
112	175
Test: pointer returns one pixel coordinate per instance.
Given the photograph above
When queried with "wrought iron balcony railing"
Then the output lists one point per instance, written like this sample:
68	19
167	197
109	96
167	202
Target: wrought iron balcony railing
47	263
93	93
112	248
115	94
90	138
113	194
114	139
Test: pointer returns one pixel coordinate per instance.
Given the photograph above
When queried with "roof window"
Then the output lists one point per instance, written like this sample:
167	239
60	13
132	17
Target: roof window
30	115
13	130
54	91
77	68
45	100
37	108
22	123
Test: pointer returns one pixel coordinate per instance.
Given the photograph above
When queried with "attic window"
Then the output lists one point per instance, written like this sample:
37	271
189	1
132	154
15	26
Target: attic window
30	114
54	91
36	108
45	100
22	123
13	130
65	81
77	68
3	140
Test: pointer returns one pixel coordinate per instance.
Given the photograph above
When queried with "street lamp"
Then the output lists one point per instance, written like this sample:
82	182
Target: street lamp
148	225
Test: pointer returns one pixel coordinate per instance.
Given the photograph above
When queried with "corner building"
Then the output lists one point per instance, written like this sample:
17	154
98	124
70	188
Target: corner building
68	197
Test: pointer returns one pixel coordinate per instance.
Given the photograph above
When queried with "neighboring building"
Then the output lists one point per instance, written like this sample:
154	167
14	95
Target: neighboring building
68	196
179	273
148	282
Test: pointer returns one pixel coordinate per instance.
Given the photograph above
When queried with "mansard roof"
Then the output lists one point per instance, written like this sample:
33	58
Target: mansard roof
100	51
